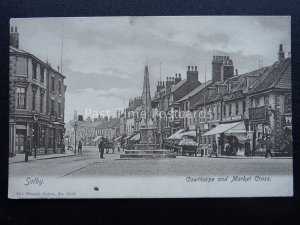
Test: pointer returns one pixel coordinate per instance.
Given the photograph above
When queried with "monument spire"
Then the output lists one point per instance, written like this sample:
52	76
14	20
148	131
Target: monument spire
146	99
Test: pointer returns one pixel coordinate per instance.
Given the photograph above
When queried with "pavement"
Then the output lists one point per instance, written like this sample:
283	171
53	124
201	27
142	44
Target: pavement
19	158
90	165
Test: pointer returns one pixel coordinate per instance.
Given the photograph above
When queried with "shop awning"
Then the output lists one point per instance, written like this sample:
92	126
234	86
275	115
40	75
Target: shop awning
189	133
227	127
126	137
136	137
174	136
118	138
97	138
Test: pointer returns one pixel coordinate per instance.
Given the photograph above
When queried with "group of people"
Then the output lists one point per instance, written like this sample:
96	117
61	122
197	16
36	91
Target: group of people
230	149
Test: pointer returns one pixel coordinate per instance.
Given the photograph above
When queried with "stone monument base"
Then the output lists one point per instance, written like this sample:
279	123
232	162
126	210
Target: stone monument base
148	154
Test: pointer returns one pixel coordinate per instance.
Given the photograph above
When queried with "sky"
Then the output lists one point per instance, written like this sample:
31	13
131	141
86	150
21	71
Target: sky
103	58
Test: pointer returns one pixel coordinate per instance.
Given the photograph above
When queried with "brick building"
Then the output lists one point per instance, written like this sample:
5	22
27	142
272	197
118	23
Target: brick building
37	101
166	100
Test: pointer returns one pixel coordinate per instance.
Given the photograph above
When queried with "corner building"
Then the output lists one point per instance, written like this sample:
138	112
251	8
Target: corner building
36	101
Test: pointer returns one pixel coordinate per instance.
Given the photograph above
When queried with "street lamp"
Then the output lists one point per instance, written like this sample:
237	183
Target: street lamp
75	129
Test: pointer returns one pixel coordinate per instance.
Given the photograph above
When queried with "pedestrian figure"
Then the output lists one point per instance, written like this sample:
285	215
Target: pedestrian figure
101	148
214	149
227	148
80	148
269	146
247	148
27	148
63	146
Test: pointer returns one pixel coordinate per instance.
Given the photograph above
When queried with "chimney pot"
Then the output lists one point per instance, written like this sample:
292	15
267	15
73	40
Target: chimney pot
180	75
236	72
195	68
280	48
176	75
188	68
16	29
192	68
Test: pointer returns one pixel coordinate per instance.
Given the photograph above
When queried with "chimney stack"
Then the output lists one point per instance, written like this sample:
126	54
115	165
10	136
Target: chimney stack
14	37
280	53
236	72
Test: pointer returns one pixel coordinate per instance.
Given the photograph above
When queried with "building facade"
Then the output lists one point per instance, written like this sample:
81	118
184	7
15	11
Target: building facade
37	101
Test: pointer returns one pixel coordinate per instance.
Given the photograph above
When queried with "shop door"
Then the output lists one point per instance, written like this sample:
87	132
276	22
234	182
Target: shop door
20	140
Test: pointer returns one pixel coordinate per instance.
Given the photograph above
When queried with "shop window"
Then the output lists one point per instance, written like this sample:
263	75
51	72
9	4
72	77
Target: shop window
21	97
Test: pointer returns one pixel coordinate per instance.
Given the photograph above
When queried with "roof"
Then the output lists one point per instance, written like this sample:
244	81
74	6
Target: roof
108	124
276	76
195	91
178	85
241	81
173	88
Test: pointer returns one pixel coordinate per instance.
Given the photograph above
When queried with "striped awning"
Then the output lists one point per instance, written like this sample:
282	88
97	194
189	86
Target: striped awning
97	138
136	137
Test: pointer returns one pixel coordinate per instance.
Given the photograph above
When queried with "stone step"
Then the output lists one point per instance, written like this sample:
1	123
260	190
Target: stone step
147	156
147	151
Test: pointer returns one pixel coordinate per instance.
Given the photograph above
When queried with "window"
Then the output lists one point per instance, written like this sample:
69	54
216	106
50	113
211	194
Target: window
42	102
52	83
21	97
59	109
288	103
33	100
244	106
59	87
266	100
34	71
52	106
256	102
230	109
224	110
42	74
236	108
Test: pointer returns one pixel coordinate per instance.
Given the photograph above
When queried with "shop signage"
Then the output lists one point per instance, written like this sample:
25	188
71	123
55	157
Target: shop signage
233	95
23	119
231	118
258	113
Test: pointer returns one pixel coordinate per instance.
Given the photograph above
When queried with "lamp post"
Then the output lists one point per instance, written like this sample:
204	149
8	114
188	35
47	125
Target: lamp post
75	129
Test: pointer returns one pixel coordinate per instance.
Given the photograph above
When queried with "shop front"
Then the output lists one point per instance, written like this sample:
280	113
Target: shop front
230	138
260	127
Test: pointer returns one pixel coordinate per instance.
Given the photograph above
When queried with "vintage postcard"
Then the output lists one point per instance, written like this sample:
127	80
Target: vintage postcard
150	107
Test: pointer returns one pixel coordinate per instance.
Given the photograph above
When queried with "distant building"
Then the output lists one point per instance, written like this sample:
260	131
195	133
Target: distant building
36	101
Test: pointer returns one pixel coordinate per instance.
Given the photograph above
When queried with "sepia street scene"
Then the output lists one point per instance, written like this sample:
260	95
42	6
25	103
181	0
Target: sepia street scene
150	97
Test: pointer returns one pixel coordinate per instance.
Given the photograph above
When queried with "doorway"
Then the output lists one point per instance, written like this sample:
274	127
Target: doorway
20	140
